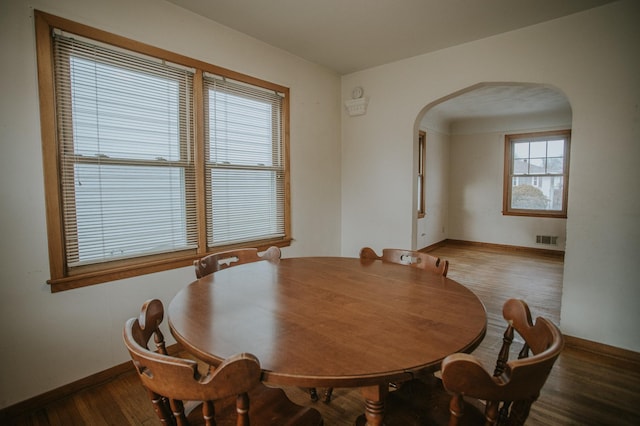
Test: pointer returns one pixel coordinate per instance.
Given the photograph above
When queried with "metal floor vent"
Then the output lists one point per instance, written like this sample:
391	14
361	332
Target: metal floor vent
547	239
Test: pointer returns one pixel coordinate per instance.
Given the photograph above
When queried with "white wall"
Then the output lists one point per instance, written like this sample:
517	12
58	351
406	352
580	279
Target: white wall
48	340
593	58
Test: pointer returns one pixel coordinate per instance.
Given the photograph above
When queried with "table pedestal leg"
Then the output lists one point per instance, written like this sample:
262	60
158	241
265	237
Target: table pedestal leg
374	397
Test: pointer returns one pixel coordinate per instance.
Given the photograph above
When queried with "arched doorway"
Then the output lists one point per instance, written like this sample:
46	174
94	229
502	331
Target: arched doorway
464	177
464	163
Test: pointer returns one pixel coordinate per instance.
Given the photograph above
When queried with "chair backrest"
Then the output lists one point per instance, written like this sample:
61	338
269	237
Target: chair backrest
368	253
171	380
412	258
217	261
514	385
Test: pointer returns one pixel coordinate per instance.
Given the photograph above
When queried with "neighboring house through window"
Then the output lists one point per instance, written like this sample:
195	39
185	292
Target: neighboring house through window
153	159
536	174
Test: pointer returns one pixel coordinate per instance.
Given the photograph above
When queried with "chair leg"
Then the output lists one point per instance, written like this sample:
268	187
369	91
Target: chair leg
456	410
161	407
327	395
491	413
242	409
208	413
177	408
313	393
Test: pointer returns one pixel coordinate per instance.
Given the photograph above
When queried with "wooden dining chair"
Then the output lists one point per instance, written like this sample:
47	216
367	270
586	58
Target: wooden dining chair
225	259
366	253
412	258
416	259
217	261
509	391
181	395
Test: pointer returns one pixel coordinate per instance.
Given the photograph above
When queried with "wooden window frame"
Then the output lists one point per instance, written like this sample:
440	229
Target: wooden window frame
509	175
62	276
422	160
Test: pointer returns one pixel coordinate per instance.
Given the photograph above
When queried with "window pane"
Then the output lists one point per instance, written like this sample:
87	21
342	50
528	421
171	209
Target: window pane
521	150
545	193
520	167
240	130
537	166
555	165
555	148
125	211
246	205
120	113
538	149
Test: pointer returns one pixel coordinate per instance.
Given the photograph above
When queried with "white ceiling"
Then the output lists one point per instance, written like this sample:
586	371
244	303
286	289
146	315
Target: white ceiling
352	35
503	100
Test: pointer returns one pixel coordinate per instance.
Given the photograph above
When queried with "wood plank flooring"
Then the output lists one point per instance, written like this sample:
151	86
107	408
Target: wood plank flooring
584	388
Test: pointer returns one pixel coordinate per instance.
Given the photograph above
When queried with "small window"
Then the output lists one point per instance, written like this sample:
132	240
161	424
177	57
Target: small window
536	174
422	144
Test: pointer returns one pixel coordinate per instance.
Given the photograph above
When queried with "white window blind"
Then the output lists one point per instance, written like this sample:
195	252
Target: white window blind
245	170
125	135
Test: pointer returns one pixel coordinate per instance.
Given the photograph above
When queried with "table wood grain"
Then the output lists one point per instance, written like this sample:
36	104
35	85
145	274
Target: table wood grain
329	321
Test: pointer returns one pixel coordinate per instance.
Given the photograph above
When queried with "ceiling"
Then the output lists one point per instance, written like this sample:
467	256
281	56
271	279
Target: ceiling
352	35
502	100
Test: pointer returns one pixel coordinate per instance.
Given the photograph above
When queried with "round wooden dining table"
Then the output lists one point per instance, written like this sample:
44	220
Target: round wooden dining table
329	322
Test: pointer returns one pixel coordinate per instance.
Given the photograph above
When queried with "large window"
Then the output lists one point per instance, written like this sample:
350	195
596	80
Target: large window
536	174
152	159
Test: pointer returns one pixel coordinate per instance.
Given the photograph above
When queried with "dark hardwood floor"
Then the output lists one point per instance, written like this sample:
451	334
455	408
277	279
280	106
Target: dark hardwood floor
586	386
